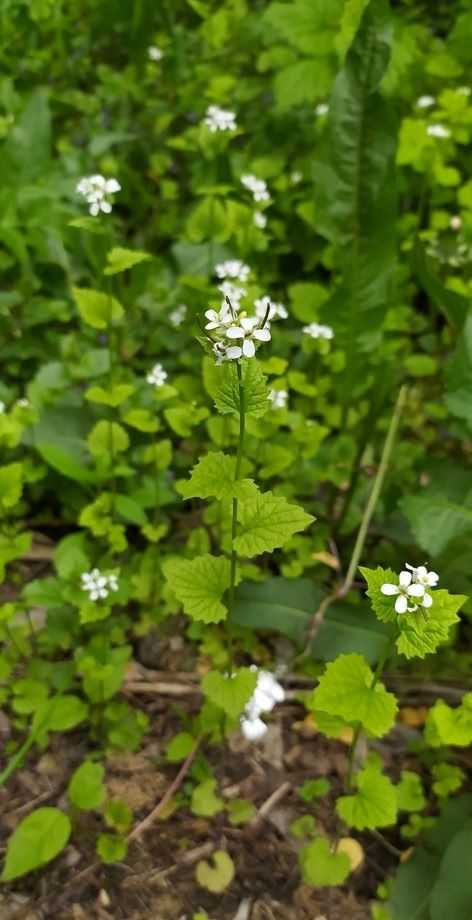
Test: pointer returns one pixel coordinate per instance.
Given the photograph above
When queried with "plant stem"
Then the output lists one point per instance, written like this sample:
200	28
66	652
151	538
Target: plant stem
111	376
234	516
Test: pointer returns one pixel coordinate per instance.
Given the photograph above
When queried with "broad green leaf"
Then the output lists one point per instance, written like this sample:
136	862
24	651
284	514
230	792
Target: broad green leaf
452	890
13	547
268	521
230	693
345	691
240	811
199	584
225	389
422	632
217	877
65	711
309	25
119	260
435	519
180	746
36	841
410	795
382	604
130	510
141	419
447	779
113	396
213	476
11	485
350	19
97	309
111	848
320	866
459	376
118	815
373	805
60	439
205	803
107	438
70	556
450	726
86	789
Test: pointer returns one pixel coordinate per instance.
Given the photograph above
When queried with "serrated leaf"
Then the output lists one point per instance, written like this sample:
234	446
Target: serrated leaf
36	841
383	605
373	805
268	521
97	309
213	476
450	726
225	389
199	584
320	866
107	438
217	877
447	779
205	803
435	519
119	259
410	795
345	691
230	693
423	631
86	789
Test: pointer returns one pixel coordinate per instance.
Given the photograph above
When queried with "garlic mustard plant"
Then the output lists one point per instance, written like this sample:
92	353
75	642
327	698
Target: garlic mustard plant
217	119
98	192
157	376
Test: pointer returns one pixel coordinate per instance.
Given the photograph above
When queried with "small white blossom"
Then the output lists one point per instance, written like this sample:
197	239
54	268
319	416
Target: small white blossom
234	293
455	222
268	692
296	177
276	310
257	186
409	594
233	268
438	131
157	376
97	191
318	331
217	119
154	53
322	108
246	330
421	576
253	729
98	585
2	407
178	315
278	398
219	319
425	102
260	220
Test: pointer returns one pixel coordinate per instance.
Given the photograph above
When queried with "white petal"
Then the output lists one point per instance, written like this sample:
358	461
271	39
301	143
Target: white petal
401	604
112	186
405	579
407	564
212	315
253	729
235	332
427	600
249	349
106	207
263	335
415	590
421	571
433	579
234	352
390	589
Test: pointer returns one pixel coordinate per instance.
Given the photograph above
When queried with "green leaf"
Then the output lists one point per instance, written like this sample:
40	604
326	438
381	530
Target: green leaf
59	438
119	260
213	476
130	510
447	779
240	811
453	305
435	519
70	556
410	795
382	605
345	691
459	376
11	485
90	224
180	746
65	711
268	521
321	867
452	891
111	848
118	815
231	694
113	396
314	789
141	419
450	726
373	805
36	841
97	309
86	789
199	584
422	632
224	388
107	438
217	877
205	803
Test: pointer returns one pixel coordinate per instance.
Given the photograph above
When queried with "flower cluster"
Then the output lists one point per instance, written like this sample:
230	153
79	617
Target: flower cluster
257	186
233	268
268	692
411	590
318	331
260	220
265	306
155	54
322	108
278	398
98	585
217	119
178	315
425	102
157	376
438	131
97	191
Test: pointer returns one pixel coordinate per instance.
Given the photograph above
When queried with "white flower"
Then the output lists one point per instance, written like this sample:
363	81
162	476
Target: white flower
178	315
253	729
217	119
421	576
425	102
2	407
98	585
438	131
455	222
233	268
276	310
97	191
157	376
154	53
267	693
405	591
233	293
278	398
322	108
219	319
247	331
23	403
260	220
296	177
318	331
257	186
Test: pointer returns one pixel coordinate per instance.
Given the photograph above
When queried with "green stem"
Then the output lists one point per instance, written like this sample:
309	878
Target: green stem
111	377
234	516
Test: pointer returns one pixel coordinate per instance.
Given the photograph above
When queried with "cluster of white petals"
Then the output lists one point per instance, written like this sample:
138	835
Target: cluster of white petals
278	398
98	585
178	315
155	54
438	131
157	376
217	119
322	108
411	591
260	220
268	692
23	403
318	331
257	186
425	102
234	335
97	191
233	293
233	268
264	305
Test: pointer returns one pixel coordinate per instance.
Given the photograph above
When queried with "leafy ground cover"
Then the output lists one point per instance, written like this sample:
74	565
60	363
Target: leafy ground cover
235	431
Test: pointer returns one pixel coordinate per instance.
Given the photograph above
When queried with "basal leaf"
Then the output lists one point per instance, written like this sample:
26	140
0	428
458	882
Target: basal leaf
447	725
373	805
86	789
36	841
345	691
217	877
320	866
